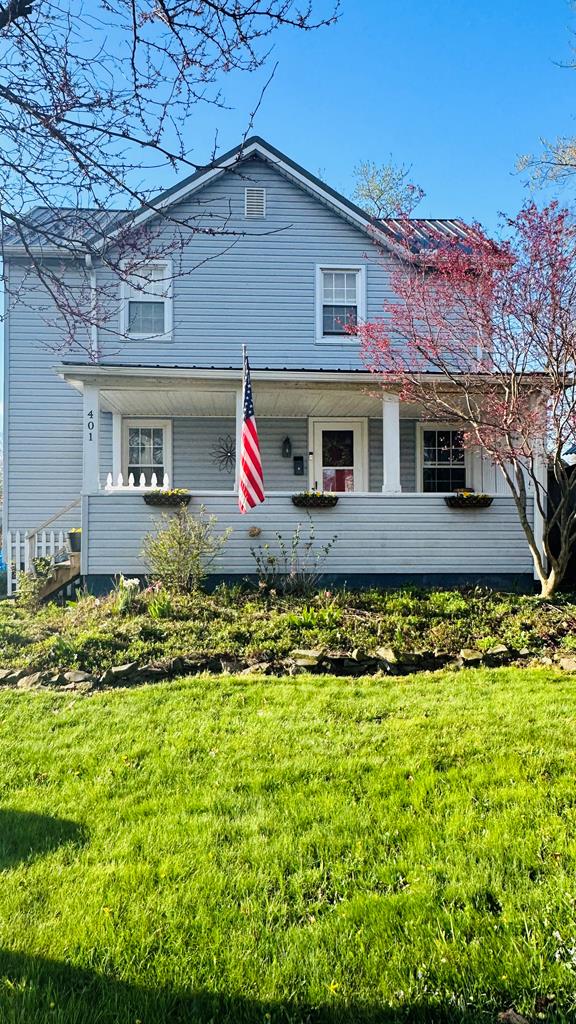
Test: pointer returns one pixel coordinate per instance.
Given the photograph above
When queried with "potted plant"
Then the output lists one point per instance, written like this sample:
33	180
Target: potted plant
467	498
75	539
315	499
178	497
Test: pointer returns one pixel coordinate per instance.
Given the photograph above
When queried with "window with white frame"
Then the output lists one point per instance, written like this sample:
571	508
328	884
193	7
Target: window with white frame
340	301
146	451
147	301
443	458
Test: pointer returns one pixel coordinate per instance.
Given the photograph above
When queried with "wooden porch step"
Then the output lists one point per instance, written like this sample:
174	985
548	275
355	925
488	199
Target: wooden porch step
64	573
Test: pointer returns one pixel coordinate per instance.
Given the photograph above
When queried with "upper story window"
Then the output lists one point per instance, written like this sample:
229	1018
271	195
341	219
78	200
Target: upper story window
443	459
146	310
340	301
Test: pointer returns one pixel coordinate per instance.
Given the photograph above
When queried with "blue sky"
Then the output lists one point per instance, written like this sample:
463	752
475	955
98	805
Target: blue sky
457	90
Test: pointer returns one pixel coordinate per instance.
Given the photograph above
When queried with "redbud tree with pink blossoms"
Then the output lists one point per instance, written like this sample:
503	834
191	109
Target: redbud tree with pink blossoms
482	334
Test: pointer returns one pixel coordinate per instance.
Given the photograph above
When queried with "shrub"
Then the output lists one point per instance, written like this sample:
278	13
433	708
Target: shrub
182	549
31	584
296	567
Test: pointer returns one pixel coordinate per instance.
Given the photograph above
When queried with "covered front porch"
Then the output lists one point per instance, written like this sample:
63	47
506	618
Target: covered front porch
154	427
167	427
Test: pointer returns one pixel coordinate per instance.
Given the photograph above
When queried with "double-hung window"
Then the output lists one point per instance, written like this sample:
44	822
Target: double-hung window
146	451
147	301
340	301
443	459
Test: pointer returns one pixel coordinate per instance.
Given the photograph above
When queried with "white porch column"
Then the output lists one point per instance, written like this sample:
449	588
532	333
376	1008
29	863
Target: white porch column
391	444
91	439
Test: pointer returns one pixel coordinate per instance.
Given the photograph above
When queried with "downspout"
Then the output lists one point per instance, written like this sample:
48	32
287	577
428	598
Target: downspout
94	350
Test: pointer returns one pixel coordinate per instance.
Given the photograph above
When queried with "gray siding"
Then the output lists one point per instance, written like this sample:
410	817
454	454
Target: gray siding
194	438
378	534
263	288
42	421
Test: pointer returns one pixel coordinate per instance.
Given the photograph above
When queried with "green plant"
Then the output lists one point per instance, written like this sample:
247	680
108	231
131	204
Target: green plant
31	584
312	618
296	566
182	549
315	499
126	594
159	602
175	498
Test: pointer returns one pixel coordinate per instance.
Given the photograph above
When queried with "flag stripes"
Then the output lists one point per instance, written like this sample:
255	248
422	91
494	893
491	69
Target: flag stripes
251	479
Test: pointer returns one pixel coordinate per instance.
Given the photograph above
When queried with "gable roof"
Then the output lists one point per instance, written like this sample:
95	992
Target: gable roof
97	227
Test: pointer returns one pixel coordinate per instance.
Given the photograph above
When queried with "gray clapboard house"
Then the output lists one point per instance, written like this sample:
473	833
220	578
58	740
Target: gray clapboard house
83	433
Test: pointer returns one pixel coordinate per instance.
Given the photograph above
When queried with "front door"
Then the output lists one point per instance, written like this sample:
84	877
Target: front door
339	455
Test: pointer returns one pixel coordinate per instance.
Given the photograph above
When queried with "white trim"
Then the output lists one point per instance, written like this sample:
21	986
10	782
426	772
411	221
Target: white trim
145	421
376	495
116	444
90	438
421	426
351	268
80	372
167	298
390	444
359	426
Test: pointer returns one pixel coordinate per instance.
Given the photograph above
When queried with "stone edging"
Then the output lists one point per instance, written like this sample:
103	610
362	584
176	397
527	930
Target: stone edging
384	661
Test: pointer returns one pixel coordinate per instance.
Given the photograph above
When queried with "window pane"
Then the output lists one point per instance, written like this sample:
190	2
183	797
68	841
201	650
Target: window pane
350	296
328	291
337	448
145	317
336	318
146	452
443	479
337	479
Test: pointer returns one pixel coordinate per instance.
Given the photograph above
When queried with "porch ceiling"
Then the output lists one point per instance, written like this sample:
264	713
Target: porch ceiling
279	401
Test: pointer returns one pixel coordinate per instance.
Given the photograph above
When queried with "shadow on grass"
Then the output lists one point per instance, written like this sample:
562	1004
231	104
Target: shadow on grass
33	989
25	835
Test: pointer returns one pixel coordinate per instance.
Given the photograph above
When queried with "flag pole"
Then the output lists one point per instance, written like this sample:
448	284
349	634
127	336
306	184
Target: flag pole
239	415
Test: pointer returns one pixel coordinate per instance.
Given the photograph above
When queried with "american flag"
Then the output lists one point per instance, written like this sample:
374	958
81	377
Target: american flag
251	482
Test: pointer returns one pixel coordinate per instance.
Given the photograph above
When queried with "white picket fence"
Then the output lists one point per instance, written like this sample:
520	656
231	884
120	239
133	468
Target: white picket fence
22	547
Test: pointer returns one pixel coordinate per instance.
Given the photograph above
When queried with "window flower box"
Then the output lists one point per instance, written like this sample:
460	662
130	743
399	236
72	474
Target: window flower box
314	499
176	498
468	499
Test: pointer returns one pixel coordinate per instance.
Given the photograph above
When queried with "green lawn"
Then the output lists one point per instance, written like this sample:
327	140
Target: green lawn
290	850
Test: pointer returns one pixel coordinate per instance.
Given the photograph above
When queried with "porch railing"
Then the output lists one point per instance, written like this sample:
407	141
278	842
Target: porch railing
131	484
24	546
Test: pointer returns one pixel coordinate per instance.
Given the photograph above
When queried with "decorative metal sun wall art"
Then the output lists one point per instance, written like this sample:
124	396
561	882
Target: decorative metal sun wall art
223	453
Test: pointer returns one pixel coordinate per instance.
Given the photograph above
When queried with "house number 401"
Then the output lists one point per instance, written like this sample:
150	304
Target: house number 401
90	426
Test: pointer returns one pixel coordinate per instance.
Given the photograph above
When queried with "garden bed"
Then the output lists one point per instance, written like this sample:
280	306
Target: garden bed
236	629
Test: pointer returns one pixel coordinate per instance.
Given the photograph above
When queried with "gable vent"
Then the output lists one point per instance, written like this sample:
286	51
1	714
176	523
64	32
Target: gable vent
255	202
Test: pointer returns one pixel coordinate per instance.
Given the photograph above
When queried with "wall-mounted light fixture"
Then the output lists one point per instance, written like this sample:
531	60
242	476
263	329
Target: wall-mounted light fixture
286	448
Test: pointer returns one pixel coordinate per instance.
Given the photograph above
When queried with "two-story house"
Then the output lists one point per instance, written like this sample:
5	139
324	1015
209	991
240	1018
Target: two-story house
83	438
